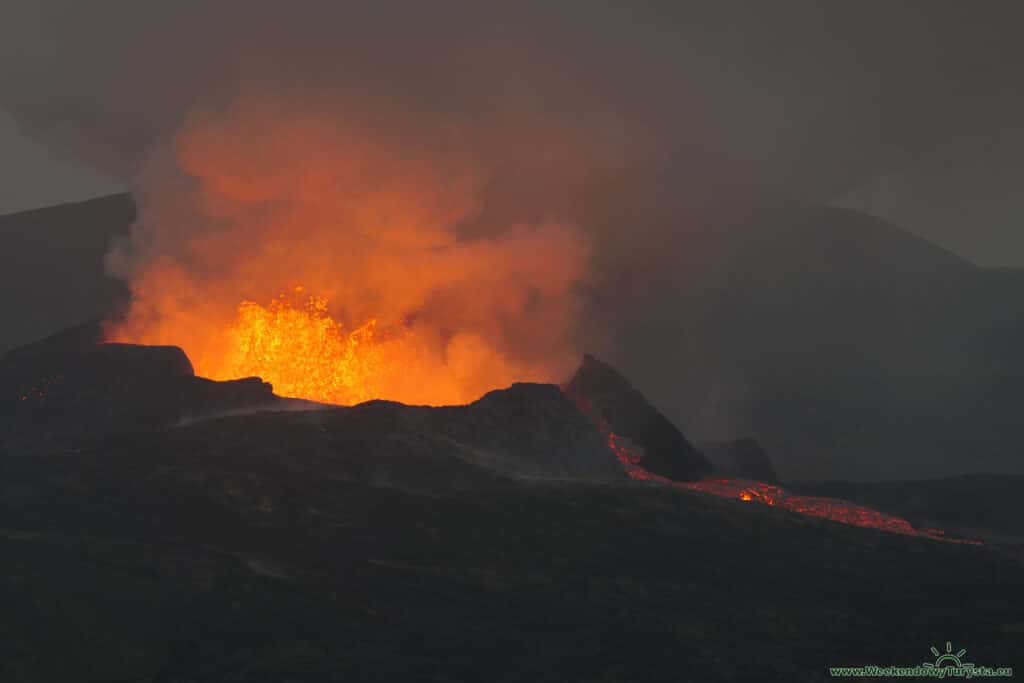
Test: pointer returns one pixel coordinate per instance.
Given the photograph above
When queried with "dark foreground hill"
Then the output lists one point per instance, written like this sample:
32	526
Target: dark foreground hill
285	547
498	541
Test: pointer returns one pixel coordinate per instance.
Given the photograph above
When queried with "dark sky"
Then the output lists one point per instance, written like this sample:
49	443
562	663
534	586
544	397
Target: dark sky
910	110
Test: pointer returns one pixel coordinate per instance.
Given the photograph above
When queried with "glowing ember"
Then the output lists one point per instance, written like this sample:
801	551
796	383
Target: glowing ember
41	390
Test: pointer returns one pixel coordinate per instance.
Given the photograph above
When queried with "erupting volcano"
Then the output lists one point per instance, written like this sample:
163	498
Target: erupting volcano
304	352
341	261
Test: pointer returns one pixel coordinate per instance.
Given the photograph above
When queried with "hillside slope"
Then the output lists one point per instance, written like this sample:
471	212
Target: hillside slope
849	348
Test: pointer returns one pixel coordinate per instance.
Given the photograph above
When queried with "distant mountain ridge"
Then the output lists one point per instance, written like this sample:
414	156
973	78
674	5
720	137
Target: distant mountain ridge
848	347
51	266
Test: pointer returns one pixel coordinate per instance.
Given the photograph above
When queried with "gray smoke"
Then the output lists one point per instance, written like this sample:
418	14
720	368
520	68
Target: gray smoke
791	99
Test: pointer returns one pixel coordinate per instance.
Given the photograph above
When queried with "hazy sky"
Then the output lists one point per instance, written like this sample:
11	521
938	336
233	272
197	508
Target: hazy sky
909	110
964	195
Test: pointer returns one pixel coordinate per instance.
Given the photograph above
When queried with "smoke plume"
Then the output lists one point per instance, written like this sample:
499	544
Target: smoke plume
357	217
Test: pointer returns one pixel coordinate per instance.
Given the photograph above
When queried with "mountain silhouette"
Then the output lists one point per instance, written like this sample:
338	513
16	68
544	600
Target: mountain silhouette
849	348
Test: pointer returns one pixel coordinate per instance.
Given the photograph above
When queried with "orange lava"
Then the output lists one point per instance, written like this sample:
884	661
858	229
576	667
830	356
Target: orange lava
302	351
294	343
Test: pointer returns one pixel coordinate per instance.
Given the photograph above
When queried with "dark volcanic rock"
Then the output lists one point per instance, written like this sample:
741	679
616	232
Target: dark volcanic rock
66	385
742	458
69	385
533	430
529	431
349	544
378	542
614	405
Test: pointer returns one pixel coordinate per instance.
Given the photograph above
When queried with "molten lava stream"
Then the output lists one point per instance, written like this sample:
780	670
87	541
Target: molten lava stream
746	490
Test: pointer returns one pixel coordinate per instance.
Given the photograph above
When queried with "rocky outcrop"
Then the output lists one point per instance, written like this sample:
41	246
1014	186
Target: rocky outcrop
617	408
531	430
69	386
74	387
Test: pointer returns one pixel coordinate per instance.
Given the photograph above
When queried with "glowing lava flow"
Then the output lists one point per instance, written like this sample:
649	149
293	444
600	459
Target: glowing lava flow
746	490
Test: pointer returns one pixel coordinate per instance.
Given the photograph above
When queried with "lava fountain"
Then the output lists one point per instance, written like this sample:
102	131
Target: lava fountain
330	255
